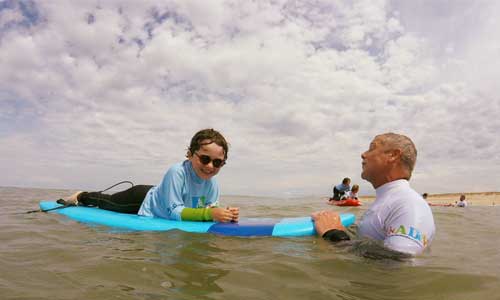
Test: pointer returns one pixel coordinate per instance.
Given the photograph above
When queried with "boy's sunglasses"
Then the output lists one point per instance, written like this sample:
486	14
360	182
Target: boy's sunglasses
205	159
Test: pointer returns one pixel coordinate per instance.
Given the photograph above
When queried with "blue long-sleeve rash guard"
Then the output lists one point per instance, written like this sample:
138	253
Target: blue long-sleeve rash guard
180	188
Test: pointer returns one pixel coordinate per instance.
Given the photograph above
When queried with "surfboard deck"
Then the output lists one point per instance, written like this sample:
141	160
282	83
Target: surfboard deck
286	227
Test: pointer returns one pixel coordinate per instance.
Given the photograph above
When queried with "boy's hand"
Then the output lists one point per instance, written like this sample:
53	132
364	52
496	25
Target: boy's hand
235	211
222	214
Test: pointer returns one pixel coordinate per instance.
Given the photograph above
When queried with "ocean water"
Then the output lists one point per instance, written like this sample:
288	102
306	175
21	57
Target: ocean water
47	256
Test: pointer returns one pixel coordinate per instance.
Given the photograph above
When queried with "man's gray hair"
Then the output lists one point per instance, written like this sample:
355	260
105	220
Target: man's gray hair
405	144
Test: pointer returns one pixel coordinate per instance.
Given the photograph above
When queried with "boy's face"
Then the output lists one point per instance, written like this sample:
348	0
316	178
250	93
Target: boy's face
213	152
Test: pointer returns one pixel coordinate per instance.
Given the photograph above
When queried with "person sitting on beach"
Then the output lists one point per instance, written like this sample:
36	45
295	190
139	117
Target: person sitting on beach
188	191
399	217
340	189
352	194
462	202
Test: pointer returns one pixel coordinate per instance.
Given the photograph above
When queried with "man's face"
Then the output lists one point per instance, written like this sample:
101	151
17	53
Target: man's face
375	161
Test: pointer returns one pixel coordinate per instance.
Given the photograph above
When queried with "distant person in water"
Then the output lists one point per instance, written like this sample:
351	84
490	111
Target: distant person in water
340	189
187	192
424	195
399	217
462	202
353	193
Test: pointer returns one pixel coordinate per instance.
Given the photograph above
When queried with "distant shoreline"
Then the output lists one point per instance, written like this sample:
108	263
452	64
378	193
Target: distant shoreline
473	198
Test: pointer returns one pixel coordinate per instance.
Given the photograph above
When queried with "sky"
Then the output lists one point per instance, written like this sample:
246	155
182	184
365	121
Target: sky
95	92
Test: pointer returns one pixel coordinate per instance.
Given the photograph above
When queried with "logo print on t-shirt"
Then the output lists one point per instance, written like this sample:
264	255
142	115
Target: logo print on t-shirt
198	202
410	232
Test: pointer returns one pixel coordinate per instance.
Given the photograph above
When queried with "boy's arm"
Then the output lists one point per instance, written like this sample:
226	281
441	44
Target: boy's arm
171	188
196	214
209	214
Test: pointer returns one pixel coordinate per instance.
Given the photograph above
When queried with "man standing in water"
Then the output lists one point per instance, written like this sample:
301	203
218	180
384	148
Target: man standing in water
340	190
399	216
462	202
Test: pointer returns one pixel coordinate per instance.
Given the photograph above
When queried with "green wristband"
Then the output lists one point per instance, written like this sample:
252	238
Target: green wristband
196	214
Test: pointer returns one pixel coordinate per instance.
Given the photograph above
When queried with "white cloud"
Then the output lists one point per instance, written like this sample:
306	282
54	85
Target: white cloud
92	93
9	16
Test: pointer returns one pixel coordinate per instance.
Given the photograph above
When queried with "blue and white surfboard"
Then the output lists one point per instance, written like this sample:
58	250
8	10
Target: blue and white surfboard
246	227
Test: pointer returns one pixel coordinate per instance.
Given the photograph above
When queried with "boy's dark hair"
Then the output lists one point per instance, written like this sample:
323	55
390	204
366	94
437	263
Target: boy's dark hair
346	180
208	134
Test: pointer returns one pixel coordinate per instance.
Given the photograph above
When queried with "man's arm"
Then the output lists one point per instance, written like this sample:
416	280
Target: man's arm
403	244
408	230
329	226
376	250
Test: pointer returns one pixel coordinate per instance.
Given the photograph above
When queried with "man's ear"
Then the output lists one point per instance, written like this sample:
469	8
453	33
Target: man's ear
395	155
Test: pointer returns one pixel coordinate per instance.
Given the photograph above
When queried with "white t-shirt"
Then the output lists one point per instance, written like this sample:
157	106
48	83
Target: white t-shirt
462	203
400	217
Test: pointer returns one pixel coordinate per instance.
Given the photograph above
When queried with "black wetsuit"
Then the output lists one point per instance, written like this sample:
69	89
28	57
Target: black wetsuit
128	201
